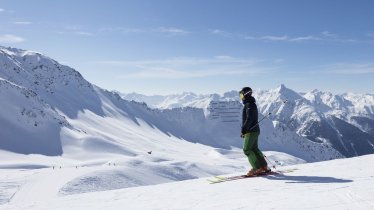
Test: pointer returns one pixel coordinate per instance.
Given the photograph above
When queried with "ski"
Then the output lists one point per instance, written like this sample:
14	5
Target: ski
220	179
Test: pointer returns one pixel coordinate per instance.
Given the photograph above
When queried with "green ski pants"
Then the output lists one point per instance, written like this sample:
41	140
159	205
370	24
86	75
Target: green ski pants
250	148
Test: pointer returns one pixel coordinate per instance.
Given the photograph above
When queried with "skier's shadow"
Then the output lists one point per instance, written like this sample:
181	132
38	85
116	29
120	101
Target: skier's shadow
307	179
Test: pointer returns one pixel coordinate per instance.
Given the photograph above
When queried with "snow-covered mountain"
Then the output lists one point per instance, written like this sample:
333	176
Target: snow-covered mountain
344	122
63	114
324	117
50	109
186	99
75	138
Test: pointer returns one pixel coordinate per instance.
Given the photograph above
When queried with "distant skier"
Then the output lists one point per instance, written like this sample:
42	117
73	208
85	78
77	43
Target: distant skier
250	132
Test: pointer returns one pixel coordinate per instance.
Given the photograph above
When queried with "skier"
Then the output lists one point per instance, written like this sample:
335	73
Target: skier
250	131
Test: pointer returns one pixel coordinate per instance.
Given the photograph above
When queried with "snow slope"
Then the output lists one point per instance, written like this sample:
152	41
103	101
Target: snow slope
51	109
50	177
23	118
337	184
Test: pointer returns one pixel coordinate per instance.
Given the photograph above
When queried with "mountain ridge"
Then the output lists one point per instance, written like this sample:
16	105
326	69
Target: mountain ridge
97	120
319	116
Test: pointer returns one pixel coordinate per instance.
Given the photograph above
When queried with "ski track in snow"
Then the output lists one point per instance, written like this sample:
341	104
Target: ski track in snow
337	184
44	185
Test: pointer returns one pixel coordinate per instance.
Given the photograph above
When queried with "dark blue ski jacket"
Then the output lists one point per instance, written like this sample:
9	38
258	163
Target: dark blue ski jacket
250	116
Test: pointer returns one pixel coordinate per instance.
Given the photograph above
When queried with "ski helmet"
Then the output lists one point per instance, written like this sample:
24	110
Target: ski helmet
246	91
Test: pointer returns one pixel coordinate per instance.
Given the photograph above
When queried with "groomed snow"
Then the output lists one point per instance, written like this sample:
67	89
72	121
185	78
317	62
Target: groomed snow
337	184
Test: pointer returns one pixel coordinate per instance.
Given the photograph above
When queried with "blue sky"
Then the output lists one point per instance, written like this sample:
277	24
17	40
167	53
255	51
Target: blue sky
203	46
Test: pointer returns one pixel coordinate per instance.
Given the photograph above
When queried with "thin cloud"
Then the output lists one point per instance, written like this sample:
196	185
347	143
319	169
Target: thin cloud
83	33
304	38
172	31
2	10
74	29
121	30
79	33
165	73
325	36
10	39
133	30
350	68
182	61
180	68
328	34
283	38
226	57
275	38
217	31
221	33
22	23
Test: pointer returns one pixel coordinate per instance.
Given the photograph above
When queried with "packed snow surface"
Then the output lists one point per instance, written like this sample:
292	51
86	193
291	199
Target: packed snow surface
336	184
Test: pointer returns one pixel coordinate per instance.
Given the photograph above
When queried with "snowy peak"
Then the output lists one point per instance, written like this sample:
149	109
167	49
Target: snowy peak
60	86
320	117
327	99
284	93
36	71
186	99
282	89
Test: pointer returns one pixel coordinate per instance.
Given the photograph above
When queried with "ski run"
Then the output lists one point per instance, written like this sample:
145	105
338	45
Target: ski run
336	184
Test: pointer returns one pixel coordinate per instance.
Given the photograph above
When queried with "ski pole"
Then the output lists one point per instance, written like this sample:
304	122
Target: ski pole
270	162
260	120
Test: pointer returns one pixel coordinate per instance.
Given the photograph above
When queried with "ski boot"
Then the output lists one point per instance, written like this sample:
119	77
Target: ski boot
266	169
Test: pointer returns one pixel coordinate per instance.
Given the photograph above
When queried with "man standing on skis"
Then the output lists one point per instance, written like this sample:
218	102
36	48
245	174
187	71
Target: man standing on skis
250	131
